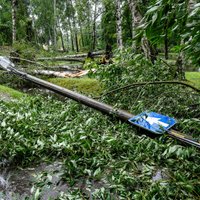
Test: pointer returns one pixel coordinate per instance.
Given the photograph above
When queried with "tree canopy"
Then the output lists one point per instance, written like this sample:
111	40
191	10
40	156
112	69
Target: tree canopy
88	25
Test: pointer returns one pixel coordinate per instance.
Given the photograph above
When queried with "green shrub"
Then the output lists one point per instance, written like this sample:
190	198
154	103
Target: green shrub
24	50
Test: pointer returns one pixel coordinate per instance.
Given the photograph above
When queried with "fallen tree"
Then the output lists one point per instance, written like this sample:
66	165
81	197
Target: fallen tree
65	58
61	74
75	57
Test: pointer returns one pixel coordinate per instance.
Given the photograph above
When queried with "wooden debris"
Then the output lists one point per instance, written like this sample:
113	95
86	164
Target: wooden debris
66	74
76	57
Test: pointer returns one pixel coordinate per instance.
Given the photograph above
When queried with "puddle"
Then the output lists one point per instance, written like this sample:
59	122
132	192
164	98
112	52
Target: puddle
161	176
17	183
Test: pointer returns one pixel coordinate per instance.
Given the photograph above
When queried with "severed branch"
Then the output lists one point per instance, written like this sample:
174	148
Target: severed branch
61	59
152	83
26	60
61	74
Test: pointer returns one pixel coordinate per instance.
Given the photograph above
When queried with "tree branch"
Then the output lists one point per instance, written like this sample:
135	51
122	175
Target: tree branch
152	83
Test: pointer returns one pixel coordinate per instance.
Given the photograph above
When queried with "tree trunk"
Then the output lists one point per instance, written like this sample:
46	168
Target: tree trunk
71	34
180	65
76	41
62	40
148	49
54	28
88	30
119	24
135	17
67	42
94	27
166	45
82	36
72	42
49	38
14	8
75	30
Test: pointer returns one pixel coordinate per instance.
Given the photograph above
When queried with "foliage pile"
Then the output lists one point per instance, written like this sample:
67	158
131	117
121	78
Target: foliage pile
178	101
103	155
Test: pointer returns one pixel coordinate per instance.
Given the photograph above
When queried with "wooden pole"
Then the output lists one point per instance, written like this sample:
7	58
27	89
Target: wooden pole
105	108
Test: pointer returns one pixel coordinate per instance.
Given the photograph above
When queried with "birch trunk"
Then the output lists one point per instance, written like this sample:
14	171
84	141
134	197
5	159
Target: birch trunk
147	48
181	62
62	41
75	29
119	24
94	26
67	42
71	34
82	44
55	23
14	5
135	16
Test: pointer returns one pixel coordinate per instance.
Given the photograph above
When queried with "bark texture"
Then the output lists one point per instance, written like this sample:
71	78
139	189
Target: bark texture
147	48
55	24
94	26
14	8
119	24
135	16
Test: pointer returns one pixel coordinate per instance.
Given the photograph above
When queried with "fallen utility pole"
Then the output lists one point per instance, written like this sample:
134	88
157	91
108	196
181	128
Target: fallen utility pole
104	108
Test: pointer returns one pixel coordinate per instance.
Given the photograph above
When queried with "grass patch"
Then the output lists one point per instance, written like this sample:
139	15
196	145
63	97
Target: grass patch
84	85
194	78
10	92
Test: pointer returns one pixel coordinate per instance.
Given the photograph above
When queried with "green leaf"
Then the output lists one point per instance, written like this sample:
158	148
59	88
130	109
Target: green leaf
152	9
194	12
154	18
37	194
97	172
3	123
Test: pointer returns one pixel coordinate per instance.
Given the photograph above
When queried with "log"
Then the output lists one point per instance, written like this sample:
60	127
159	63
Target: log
75	57
61	74
70	68
61	59
73	68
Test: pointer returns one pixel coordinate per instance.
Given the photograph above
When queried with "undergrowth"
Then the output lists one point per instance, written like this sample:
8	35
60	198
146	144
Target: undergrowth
180	102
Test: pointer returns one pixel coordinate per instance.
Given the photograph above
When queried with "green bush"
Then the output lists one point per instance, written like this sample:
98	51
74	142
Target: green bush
24	50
